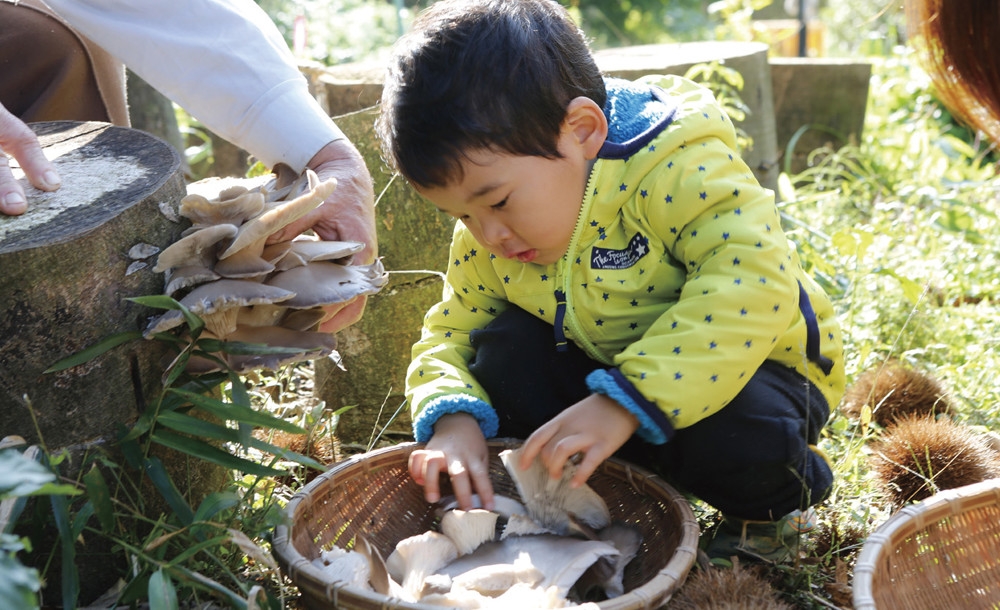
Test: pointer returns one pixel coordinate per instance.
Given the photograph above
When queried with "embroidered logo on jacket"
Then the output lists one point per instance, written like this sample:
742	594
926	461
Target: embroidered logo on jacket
604	258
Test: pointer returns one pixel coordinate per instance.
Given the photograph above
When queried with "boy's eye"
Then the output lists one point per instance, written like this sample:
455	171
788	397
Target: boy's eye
497	206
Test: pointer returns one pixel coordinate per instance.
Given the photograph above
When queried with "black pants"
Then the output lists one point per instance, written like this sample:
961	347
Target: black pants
750	460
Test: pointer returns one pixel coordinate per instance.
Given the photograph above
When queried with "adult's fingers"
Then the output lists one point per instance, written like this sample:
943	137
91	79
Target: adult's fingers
345	314
17	140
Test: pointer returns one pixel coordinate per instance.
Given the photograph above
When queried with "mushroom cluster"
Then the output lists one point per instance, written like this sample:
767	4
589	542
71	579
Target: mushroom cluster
559	548
245	290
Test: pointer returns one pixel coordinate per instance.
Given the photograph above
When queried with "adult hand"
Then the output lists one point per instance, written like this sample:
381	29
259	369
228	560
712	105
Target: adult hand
597	426
18	140
459	449
348	215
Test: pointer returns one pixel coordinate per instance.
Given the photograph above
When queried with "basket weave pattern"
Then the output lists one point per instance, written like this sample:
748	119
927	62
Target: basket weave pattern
373	494
943	552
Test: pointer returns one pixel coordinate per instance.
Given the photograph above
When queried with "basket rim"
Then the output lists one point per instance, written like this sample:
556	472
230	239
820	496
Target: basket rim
652	594
909	519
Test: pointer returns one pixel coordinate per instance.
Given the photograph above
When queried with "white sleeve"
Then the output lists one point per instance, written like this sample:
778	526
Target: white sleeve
223	61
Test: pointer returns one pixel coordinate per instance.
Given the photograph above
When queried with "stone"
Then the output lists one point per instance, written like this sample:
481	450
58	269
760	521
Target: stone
817	102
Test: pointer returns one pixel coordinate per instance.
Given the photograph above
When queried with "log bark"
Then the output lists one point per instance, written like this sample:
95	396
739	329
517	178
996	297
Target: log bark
66	275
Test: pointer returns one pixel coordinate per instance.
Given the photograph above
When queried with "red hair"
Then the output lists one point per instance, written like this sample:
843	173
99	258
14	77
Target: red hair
959	53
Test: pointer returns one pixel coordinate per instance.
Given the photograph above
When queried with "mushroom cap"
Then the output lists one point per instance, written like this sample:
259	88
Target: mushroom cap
235	205
218	296
325	283
244	264
560	559
194	248
341	565
302	251
257	229
308	345
549	502
179	278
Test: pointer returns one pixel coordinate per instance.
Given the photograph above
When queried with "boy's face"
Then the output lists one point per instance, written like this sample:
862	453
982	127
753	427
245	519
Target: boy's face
519	207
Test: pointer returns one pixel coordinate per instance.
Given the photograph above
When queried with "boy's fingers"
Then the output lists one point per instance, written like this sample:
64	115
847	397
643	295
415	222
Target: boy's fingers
460	484
533	446
432	491
481	481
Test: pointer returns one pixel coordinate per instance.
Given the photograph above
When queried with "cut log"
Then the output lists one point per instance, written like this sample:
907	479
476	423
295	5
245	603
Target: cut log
66	275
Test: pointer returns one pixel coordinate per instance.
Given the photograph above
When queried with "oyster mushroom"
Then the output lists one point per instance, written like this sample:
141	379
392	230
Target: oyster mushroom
324	283
225	248
343	566
244	264
607	575
234	206
493	580
302	251
560	560
254	232
218	304
288	346
179	278
554	503
417	557
505	506
469	528
194	249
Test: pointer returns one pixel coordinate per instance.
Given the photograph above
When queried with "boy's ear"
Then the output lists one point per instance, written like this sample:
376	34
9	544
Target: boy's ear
585	119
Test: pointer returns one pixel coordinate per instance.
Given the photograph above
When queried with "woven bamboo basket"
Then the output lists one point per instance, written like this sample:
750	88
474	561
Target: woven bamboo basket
943	552
373	494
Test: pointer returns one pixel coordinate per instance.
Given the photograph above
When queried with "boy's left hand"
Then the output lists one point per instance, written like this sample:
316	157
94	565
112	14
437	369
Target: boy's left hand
597	426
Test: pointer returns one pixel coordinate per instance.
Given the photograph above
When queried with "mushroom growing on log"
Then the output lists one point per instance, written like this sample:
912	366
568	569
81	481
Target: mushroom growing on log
271	295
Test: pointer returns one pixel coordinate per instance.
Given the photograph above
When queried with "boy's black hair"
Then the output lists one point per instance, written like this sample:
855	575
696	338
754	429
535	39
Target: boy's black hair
482	74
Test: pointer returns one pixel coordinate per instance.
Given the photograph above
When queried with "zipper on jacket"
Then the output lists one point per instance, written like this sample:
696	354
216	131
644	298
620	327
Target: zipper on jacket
557	325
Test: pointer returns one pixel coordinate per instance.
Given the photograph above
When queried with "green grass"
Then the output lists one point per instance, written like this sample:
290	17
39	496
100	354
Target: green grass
902	229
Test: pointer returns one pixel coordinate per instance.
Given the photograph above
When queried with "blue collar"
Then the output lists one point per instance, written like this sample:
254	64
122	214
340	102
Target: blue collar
636	114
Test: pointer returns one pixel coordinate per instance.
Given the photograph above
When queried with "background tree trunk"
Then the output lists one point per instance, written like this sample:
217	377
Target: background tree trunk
151	111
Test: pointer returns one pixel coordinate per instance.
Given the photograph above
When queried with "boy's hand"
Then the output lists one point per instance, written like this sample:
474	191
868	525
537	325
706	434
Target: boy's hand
459	449
597	426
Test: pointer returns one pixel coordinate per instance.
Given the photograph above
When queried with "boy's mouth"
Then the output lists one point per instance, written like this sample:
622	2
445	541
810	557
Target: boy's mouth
525	256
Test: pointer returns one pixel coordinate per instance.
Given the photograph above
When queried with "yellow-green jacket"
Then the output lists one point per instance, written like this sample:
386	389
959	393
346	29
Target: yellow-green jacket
678	277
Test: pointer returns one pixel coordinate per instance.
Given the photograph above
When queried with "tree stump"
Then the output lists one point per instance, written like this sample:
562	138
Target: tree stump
66	276
747	58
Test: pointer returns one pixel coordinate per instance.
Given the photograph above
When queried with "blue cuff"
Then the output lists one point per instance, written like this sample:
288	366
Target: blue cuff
654	427
423	424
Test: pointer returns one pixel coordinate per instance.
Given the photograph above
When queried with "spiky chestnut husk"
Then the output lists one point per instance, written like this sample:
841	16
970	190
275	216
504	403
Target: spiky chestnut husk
738	588
894	391
837	538
920	456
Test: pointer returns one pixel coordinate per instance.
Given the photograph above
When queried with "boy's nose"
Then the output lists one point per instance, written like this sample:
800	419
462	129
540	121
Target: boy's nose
495	233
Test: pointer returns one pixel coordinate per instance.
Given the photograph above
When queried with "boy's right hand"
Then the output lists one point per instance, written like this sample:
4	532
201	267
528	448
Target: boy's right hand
458	448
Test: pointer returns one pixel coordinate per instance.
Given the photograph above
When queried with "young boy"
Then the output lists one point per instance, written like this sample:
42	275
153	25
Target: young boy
619	282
